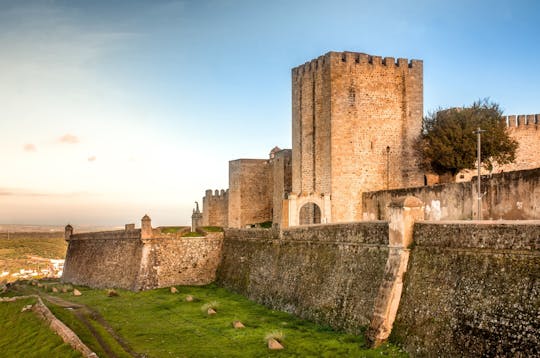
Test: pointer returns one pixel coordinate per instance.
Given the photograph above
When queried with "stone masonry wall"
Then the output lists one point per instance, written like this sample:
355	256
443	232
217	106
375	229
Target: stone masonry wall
347	109
250	192
104	259
511	195
472	290
182	261
326	273
282	180
216	208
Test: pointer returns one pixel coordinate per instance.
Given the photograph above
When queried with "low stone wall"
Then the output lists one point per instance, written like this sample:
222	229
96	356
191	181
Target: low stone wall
472	289
511	196
104	259
326	273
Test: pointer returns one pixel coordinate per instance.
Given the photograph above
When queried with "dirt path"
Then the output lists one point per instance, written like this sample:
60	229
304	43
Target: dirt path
85	315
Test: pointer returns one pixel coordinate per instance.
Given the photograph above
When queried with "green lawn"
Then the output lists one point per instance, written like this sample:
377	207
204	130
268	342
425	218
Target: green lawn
158	323
23	334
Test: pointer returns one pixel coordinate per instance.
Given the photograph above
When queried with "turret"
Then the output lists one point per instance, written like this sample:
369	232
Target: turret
146	227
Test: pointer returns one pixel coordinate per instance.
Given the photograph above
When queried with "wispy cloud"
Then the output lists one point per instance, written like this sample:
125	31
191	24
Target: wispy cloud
92	158
29	147
69	139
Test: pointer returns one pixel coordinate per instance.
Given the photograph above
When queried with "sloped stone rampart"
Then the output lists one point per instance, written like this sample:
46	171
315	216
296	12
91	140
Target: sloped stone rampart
472	289
326	273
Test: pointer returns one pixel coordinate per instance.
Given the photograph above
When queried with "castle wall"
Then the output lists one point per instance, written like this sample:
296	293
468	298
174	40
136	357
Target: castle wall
104	259
326	273
216	208
250	192
510	195
282	181
471	290
181	261
525	129
124	259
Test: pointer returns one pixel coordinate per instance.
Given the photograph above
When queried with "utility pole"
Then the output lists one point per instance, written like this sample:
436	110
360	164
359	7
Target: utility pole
478	156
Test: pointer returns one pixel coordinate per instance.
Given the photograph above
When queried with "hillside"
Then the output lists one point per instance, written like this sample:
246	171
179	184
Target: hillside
29	251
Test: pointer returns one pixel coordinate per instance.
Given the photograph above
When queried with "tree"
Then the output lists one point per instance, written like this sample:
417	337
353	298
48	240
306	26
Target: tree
448	140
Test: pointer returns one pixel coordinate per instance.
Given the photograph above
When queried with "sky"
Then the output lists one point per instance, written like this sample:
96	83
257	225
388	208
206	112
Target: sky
110	110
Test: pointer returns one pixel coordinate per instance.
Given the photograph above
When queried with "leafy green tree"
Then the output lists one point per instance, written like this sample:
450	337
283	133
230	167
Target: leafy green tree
448	140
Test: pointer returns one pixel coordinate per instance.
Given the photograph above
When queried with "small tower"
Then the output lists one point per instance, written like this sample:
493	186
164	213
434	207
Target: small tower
68	232
196	218
146	227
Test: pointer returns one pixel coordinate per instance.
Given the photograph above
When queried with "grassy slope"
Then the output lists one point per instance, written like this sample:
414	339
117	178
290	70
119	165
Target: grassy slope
25	335
161	324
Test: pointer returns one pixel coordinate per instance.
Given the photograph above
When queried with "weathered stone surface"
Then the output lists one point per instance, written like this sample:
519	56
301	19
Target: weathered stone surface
211	311
472	290
174	290
274	344
327	273
238	325
76	292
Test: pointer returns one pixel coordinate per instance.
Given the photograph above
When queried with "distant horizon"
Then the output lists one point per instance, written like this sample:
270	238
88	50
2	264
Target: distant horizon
116	110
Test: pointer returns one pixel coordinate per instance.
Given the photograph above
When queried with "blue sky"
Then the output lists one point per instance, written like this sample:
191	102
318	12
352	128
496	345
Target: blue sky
114	109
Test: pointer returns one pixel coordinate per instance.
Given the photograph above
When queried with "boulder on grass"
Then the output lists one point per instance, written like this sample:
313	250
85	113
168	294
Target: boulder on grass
112	293
174	290
238	324
189	298
211	311
55	290
76	292
274	344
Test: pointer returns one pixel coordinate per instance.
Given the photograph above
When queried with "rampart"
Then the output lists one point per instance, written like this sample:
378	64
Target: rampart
511	195
139	259
472	290
325	273
461	289
215	208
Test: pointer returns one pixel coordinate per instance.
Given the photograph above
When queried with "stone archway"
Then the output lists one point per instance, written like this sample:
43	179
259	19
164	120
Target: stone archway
310	213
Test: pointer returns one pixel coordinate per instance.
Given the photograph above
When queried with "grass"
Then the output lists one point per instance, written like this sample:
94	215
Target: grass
192	234
171	229
212	228
157	323
25	335
33	245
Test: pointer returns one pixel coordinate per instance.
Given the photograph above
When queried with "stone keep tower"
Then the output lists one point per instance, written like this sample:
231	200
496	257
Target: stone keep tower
355	118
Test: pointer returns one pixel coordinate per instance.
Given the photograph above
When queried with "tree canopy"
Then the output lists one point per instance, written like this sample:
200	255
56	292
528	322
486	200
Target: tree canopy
448	140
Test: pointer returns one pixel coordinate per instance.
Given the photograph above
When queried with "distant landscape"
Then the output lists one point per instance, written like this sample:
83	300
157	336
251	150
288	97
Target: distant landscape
34	251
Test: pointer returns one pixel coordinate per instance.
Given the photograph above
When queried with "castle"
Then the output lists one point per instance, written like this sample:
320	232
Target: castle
355	118
465	288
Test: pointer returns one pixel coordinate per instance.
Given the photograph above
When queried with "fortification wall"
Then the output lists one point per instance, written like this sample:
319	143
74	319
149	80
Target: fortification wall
216	208
181	261
525	129
250	192
326	273
511	195
472	290
282	180
104	259
452	201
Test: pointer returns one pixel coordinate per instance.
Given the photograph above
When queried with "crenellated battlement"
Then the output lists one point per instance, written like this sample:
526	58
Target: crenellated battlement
217	194
522	121
356	58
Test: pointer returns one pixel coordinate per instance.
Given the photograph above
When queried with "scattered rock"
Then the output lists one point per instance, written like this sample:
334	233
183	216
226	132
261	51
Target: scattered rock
238	324
274	344
39	285
76	292
54	289
112	293
174	290
26	308
33	283
189	298
211	311
64	290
